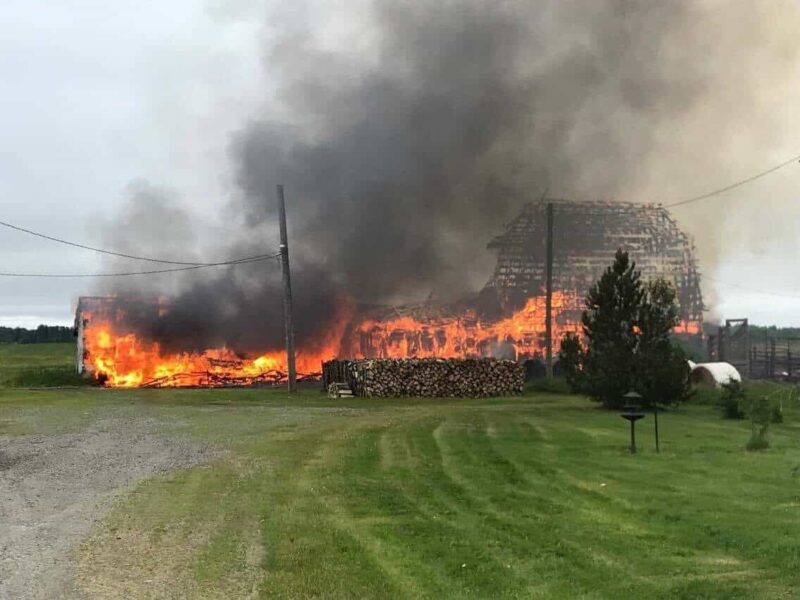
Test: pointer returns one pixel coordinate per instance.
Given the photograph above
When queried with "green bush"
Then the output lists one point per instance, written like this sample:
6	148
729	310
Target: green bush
758	441
705	395
571	358
46	377
732	400
760	413
557	385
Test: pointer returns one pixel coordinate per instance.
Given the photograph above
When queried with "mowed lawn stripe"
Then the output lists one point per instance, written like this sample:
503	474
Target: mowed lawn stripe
509	498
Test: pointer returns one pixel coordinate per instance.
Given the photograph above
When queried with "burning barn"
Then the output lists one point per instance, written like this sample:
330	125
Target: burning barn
586	236
119	339
91	315
507	318
117	345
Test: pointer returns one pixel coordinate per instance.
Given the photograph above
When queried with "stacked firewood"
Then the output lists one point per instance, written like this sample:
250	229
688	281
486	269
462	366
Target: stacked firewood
431	377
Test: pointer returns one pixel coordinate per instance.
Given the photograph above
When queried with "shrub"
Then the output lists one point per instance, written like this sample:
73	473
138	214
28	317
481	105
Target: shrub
570	359
557	385
705	395
760	417
46	377
732	400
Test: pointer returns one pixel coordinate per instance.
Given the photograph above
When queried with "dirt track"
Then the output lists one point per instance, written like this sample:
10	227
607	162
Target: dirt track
54	487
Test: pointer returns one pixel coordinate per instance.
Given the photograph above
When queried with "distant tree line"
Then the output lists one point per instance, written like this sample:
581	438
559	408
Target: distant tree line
758	332
43	334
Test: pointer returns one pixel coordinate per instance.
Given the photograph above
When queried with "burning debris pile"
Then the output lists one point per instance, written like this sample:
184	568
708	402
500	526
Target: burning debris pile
118	339
429	377
460	330
111	350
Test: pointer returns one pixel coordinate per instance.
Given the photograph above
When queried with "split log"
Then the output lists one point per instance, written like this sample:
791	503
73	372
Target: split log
428	377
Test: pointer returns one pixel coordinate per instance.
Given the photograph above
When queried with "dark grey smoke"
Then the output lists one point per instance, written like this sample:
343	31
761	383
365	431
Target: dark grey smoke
402	162
153	224
414	162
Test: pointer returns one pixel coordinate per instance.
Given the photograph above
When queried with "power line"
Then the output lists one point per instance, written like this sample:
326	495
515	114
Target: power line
753	290
734	185
242	261
103	251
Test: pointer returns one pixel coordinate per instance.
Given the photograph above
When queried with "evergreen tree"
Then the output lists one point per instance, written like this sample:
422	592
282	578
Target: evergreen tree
570	359
661	367
627	326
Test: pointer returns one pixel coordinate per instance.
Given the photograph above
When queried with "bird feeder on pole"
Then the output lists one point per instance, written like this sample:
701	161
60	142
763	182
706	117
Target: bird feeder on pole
632	412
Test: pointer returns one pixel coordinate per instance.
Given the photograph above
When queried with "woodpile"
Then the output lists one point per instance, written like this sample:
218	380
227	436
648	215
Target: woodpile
428	377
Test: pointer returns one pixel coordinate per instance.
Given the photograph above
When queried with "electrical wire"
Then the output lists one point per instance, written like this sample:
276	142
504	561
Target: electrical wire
734	185
252	259
103	251
753	290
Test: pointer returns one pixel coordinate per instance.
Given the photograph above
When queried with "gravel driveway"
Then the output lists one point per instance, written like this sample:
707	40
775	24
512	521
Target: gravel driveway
54	487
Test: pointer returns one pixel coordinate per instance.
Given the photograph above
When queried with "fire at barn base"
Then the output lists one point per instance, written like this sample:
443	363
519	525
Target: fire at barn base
506	319
110	351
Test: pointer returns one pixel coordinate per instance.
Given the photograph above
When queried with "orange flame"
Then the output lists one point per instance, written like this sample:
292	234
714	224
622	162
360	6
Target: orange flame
520	335
689	328
130	361
123	359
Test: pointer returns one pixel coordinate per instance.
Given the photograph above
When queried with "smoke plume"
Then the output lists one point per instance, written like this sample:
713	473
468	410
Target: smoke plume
405	146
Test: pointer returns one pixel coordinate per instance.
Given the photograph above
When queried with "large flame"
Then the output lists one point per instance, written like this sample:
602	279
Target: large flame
520	335
124	359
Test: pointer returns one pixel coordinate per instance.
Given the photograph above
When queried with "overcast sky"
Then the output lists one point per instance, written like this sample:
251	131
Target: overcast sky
96	95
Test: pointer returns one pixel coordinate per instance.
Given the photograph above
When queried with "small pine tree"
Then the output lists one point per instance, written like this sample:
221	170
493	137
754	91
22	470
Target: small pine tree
610	324
571	357
661	368
627	326
732	400
760	413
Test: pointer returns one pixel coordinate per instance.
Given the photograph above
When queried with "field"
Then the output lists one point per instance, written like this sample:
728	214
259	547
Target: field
43	365
528	497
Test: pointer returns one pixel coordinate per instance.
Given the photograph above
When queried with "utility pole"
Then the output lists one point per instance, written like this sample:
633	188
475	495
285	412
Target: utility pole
287	293
548	322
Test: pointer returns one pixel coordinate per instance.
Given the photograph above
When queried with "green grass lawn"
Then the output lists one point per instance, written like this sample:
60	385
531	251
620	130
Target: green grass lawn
532	497
33	365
